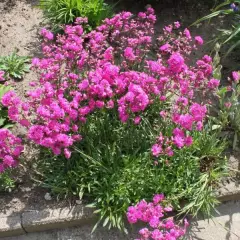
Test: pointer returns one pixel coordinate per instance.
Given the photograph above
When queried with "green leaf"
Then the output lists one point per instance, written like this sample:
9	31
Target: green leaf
4	89
214	127
232	47
217	72
214	14
106	221
236	32
2	120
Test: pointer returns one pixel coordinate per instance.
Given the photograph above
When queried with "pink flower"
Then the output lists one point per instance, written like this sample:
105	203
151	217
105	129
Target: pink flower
47	34
207	59
198	112
178	141
145	233
168	209
186	121
169	224
213	83
168	28
235	76
188	141
8	161
187	33
176	62
154	222
137	120
177	25
163	98
199	126
165	47
163	114
2	73
128	54
67	153
157	235
158	198
156	150
199	40
228	105
169	151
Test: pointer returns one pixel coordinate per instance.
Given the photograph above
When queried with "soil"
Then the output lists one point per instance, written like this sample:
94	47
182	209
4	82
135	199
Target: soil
20	23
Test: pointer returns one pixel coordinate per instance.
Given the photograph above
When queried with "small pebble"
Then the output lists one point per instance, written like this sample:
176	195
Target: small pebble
48	197
78	202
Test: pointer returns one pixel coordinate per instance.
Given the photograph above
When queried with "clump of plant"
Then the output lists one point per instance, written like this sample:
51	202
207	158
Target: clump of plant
230	36
61	12
13	66
123	115
6	182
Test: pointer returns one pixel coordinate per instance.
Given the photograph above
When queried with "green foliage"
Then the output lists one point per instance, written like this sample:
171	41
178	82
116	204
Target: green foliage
3	111
227	111
58	12
6	182
113	168
14	65
229	36
229	117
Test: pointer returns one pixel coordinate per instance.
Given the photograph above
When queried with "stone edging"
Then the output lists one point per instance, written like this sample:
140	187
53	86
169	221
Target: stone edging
47	219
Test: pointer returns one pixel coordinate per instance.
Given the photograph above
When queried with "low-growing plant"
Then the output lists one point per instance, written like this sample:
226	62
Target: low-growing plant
125	114
6	182
60	12
113	167
13	66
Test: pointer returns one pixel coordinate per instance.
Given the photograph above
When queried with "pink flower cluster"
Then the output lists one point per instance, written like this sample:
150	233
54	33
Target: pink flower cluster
153	213
10	149
119	66
2	73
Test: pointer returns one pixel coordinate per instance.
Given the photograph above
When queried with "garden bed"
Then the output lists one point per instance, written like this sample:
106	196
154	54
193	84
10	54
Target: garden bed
19	30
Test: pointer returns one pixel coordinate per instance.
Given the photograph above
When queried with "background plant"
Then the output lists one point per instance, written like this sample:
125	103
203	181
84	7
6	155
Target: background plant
7	183
230	36
60	12
14	66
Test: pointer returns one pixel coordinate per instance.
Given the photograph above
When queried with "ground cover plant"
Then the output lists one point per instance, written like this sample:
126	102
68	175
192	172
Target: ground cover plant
60	12
13	66
121	114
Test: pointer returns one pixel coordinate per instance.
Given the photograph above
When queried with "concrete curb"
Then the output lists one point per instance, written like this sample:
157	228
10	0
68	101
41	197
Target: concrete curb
48	219
229	192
